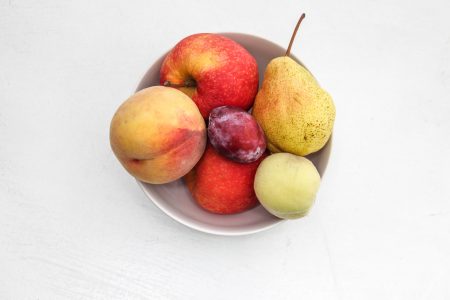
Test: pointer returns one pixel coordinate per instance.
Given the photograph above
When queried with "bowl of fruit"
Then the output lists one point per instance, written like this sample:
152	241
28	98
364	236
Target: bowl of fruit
227	133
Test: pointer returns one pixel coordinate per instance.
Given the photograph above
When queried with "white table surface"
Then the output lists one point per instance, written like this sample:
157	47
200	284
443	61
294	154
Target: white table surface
75	225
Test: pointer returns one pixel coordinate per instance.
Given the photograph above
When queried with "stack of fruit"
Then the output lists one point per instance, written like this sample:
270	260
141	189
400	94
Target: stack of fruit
196	125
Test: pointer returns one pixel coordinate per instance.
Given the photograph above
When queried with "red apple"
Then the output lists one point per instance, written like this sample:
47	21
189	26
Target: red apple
213	70
222	186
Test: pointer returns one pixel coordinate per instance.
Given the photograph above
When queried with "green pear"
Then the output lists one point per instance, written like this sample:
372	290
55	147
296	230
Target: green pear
296	114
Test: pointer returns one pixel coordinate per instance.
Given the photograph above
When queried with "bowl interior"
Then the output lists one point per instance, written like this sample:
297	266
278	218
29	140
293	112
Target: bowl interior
174	198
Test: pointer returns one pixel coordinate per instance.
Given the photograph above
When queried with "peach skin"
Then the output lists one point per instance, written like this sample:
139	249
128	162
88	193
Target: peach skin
158	134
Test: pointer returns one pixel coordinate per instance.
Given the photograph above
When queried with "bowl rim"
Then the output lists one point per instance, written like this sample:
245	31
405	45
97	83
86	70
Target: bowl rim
193	225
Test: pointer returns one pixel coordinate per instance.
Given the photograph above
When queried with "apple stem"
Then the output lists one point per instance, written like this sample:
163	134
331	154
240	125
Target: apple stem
186	83
288	51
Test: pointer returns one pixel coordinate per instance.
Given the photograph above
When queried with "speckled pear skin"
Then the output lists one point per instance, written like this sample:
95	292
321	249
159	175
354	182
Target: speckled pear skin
296	114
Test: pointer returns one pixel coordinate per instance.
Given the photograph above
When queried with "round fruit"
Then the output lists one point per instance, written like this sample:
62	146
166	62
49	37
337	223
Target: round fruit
286	185
235	134
213	70
158	134
221	185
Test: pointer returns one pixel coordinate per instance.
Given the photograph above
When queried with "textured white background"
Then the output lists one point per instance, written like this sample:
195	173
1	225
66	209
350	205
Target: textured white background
74	225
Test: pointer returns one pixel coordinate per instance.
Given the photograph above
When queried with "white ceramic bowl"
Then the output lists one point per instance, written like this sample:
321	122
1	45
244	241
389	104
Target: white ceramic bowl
174	198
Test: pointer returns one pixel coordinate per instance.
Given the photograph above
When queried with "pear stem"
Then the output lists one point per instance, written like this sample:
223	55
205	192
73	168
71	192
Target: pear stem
186	83
288	51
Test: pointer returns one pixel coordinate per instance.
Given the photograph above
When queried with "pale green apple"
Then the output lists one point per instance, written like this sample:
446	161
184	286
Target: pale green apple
286	185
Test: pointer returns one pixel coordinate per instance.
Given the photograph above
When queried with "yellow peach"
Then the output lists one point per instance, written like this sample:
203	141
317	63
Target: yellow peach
158	134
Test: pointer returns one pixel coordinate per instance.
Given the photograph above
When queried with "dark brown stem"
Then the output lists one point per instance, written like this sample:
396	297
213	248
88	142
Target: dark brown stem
186	83
288	51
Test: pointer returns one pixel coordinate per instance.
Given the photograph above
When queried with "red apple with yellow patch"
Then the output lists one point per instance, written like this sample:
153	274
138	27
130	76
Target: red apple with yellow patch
158	134
213	70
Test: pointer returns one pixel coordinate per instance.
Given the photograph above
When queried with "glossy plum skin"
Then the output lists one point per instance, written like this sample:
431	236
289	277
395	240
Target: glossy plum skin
235	134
